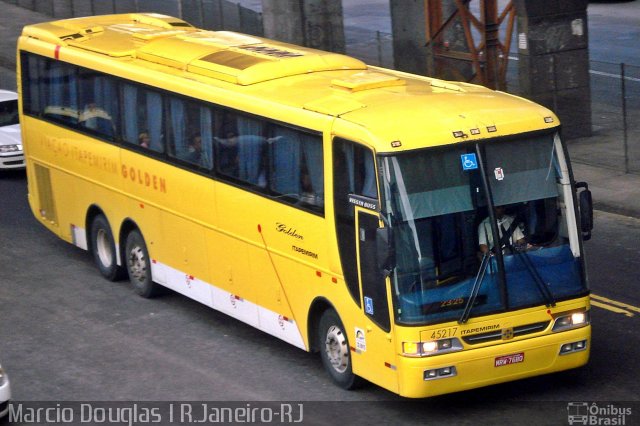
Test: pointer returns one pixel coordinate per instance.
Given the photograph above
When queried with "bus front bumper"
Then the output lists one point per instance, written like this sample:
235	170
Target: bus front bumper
474	368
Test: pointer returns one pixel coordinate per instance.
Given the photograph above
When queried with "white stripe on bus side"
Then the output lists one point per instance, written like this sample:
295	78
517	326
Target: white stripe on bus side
221	300
228	303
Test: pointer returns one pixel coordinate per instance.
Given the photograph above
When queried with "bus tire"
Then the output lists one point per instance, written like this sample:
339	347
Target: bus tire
139	265
335	351
103	249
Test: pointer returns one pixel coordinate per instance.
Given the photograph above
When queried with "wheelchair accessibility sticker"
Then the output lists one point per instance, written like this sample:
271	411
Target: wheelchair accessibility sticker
469	161
368	305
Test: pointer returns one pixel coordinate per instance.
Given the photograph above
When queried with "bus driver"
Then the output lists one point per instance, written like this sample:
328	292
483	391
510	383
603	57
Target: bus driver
509	232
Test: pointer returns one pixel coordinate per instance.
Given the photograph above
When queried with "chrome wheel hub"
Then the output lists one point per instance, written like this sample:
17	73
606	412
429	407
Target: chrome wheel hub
336	349
137	264
103	247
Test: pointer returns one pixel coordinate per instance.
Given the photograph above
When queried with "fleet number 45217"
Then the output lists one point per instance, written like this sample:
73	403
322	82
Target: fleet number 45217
444	333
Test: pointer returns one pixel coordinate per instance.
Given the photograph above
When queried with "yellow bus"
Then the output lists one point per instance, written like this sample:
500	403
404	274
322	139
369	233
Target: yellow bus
346	209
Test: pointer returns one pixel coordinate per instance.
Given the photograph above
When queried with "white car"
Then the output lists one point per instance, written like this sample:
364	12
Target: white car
11	155
5	393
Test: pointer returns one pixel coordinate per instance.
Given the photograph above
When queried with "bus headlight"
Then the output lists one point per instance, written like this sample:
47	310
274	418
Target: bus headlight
431	347
10	148
571	320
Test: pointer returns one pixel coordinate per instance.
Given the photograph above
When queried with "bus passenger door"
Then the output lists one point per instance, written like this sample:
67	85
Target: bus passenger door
373	343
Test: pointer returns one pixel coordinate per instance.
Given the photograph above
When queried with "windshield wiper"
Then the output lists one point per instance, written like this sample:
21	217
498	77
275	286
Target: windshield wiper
505	241
476	288
546	293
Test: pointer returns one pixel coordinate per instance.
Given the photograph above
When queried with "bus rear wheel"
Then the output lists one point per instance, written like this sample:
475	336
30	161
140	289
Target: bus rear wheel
103	249
139	266
335	351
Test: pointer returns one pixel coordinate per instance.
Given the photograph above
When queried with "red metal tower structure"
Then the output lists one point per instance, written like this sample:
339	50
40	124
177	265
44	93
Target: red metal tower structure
470	39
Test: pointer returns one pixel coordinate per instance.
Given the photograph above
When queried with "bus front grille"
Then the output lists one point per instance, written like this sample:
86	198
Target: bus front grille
518	331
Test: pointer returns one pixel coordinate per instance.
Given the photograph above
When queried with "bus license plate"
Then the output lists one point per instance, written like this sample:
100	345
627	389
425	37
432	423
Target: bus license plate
509	359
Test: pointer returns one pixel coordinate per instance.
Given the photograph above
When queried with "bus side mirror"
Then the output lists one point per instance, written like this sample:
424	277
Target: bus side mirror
385	252
586	210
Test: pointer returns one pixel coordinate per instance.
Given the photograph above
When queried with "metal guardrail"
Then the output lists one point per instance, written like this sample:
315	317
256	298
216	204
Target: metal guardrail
211	14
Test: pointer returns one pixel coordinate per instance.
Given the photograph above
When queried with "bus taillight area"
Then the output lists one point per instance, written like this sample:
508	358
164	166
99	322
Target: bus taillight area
421	377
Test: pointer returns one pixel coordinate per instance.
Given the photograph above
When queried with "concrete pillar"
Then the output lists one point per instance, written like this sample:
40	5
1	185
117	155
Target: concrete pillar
312	23
411	51
408	25
554	59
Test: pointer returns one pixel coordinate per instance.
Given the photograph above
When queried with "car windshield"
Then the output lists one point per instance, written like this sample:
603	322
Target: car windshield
439	207
8	113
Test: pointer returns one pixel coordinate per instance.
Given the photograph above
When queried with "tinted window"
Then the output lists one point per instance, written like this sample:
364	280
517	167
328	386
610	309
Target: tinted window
142	111
190	135
32	83
274	160
9	113
296	166
60	92
277	160
354	173
100	112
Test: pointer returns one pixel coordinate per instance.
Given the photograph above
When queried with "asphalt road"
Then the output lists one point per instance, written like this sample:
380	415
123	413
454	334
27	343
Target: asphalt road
614	31
67	334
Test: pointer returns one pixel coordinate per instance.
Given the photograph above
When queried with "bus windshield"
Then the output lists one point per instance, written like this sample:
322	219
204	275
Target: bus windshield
439	206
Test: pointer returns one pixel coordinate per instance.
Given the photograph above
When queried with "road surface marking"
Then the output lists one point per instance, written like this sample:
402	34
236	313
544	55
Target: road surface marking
607	74
613	305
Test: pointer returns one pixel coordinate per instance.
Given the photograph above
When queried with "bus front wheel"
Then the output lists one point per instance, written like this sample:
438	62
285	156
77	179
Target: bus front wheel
335	351
139	266
103	249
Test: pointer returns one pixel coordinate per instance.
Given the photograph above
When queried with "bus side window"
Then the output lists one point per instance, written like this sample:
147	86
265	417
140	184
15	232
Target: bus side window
100	107
226	144
190	136
296	166
251	143
33	83
142	115
190	132
241	150
60	92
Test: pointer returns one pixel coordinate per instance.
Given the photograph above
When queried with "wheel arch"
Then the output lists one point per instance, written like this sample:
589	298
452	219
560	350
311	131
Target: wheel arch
318	307
92	212
127	226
